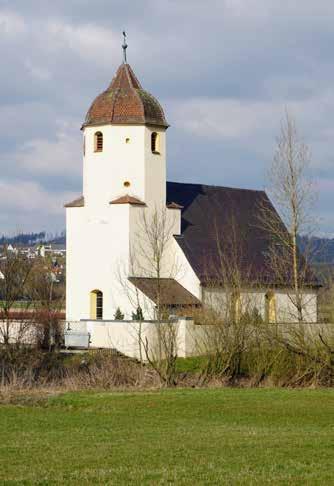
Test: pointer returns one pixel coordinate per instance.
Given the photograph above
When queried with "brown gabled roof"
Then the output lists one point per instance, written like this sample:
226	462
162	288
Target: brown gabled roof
206	227
172	293
128	200
125	102
77	203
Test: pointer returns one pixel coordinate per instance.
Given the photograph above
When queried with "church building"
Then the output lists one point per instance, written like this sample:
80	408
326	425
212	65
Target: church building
128	211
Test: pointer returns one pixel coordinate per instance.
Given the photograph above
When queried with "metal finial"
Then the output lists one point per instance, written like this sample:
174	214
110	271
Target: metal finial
124	47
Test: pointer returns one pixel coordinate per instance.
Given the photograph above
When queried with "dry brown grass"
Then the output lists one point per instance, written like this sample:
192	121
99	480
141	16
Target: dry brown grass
105	370
35	376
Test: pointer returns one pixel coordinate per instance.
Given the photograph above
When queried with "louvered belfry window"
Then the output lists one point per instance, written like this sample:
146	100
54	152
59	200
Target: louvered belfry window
155	143
98	142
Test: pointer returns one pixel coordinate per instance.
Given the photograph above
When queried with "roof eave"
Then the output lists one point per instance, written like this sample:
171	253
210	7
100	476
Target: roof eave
104	123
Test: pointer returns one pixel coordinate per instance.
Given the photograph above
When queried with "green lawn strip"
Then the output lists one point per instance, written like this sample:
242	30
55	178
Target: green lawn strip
190	365
182	436
20	304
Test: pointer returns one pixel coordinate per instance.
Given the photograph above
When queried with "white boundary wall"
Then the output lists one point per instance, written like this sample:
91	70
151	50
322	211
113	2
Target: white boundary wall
126	336
22	332
129	337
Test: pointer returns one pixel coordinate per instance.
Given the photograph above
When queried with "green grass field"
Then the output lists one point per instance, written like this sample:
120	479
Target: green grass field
226	436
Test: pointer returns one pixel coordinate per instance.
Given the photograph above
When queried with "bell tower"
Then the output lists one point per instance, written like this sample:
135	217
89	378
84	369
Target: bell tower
124	172
124	144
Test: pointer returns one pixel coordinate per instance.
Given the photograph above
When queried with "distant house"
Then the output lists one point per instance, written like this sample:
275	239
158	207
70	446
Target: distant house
12	249
52	249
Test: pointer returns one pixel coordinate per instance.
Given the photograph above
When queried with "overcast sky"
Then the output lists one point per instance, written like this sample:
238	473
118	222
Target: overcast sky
224	71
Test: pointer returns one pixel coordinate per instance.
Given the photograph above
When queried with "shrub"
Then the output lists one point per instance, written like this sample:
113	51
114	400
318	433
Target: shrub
138	315
118	316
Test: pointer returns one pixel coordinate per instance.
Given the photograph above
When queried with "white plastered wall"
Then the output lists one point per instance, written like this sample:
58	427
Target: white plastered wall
97	252
186	275
174	263
285	310
120	161
155	168
129	337
99	234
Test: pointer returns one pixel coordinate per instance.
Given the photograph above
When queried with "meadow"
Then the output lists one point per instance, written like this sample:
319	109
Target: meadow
183	436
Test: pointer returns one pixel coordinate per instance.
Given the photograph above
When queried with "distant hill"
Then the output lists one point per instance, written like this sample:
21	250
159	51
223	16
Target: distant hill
58	240
29	239
321	249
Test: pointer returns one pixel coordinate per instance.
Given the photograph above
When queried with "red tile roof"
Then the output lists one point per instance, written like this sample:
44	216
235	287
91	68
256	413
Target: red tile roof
128	200
125	102
77	203
174	205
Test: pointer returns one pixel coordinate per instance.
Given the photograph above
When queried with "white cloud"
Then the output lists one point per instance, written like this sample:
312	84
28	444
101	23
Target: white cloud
255	124
19	120
62	156
89	41
217	117
11	24
38	72
26	197
228	68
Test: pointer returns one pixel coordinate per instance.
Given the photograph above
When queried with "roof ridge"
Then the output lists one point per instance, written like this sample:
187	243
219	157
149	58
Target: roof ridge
113	102
125	78
132	75
216	187
128	75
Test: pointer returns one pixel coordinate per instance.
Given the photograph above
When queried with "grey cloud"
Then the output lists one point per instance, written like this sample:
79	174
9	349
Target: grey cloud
223	69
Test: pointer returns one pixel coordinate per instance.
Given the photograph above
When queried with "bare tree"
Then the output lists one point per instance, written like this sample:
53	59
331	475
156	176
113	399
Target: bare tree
230	314
15	270
153	257
48	297
134	297
15	317
156	258
293	195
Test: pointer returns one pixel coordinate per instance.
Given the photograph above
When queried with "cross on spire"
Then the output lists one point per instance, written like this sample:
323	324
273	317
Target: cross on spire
124	47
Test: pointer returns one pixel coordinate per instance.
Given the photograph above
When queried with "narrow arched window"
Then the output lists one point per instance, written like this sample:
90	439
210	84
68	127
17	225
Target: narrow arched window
155	143
270	307
96	304
98	142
